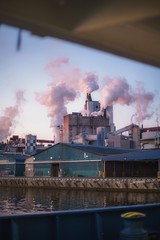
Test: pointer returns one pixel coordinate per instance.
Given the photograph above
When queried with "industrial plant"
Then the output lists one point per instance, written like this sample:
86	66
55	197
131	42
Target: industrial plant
96	127
89	146
92	126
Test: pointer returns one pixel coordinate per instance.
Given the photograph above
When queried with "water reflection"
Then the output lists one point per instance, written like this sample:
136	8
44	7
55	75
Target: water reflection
28	200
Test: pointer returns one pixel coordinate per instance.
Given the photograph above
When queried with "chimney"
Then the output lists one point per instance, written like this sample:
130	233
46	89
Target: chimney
89	98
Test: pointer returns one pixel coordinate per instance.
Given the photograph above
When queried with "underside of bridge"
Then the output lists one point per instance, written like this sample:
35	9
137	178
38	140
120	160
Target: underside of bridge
129	29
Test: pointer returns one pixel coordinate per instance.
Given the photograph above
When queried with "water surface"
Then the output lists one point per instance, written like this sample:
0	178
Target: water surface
29	200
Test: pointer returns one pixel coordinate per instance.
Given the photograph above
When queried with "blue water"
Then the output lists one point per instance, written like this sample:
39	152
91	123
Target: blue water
29	200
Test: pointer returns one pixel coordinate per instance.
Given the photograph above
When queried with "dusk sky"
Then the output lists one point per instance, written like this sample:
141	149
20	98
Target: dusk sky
48	78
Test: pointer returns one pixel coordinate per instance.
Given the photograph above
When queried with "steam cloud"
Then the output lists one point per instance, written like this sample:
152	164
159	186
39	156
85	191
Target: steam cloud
7	121
116	91
142	101
57	63
119	91
66	86
88	83
68	83
55	99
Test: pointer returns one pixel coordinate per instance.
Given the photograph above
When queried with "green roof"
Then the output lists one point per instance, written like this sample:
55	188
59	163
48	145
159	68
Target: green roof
101	150
97	150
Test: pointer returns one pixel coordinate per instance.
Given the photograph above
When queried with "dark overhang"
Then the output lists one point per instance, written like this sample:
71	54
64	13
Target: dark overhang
126	28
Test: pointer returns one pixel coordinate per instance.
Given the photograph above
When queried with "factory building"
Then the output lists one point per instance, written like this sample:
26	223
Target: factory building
75	124
79	160
95	126
29	145
150	138
91	106
126	137
134	164
77	127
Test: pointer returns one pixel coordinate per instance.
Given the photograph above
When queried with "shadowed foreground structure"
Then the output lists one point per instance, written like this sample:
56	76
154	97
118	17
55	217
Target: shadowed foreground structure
127	28
92	224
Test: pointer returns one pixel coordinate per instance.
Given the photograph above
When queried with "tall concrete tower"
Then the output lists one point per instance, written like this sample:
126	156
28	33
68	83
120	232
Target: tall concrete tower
91	106
109	111
76	124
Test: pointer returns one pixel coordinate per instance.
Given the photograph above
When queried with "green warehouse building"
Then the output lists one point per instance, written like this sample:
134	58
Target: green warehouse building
74	160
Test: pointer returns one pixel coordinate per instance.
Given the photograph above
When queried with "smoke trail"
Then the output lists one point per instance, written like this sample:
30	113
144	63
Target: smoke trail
61	90
157	117
142	101
66	84
8	120
119	91
88	83
57	63
55	100
116	91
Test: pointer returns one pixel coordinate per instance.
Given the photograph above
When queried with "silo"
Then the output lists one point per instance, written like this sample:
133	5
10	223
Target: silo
101	136
30	143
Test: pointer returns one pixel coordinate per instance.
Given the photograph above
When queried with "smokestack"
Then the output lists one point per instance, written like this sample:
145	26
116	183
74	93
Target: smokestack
109	112
91	106
104	113
88	98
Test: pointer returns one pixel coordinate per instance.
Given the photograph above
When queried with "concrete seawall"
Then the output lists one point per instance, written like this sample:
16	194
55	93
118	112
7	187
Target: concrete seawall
121	184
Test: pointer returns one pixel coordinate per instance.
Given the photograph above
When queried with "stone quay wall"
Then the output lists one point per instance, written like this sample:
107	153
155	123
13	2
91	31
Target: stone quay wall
108	184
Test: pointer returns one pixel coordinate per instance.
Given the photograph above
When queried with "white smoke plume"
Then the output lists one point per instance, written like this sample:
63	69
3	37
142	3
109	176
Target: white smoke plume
66	85
117	90
88	83
142	102
157	117
57	63
55	99
8	120
98	113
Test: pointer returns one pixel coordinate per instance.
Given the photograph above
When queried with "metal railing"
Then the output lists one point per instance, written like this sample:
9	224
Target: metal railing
89	224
